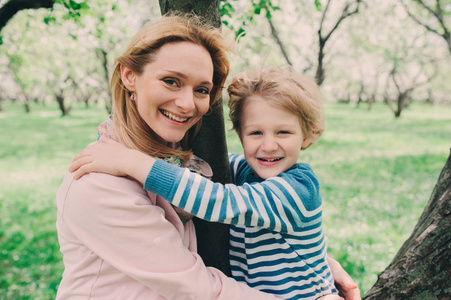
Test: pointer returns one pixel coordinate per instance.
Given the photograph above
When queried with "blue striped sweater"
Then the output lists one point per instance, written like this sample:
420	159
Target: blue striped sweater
277	243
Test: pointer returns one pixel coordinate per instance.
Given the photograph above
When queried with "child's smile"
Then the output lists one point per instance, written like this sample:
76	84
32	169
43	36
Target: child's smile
271	137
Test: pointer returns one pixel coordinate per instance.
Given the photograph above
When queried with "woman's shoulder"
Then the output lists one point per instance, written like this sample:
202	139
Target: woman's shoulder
98	191
103	182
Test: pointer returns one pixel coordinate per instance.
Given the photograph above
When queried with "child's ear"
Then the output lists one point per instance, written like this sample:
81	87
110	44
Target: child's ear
128	78
305	143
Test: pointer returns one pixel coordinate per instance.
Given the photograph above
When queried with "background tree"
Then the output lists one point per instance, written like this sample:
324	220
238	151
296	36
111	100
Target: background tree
349	9
434	15
12	7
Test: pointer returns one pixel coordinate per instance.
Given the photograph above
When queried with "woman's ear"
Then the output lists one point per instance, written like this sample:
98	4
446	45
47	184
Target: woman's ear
128	78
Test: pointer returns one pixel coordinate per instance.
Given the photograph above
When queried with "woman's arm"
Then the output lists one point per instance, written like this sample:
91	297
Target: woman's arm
343	281
114	219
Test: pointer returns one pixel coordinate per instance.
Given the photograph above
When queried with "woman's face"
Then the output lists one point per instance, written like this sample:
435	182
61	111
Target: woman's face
173	93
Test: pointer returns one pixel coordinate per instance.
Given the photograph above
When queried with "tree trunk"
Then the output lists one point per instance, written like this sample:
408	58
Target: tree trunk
11	7
320	73
23	99
103	56
421	269
207	9
61	104
210	145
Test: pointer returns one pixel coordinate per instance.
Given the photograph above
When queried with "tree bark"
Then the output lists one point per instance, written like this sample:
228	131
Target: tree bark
103	56
422	267
210	145
11	7
207	9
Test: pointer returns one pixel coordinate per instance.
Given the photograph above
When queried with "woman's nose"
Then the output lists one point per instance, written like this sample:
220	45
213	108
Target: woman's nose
185	101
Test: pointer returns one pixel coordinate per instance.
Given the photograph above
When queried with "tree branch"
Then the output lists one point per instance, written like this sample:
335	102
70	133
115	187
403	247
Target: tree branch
12	7
418	21
345	13
279	42
437	14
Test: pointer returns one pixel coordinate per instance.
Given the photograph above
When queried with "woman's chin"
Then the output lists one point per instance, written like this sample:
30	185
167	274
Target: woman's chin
172	138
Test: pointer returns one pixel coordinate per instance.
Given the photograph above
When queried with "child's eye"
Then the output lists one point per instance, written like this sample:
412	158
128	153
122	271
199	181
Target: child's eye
284	132
170	81
255	133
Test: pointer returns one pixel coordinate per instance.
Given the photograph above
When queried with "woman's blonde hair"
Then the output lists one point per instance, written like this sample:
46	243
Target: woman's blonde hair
130	129
282	88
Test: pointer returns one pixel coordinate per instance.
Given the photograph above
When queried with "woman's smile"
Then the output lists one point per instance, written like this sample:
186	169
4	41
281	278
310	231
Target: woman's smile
173	117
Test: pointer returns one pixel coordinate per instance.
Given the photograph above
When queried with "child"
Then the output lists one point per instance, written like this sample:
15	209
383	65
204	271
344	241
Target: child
277	243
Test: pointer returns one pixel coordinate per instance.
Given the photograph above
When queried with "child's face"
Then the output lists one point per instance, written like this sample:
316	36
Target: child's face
271	137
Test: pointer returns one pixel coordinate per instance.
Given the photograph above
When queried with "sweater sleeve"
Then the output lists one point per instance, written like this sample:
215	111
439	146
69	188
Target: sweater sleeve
284	203
113	217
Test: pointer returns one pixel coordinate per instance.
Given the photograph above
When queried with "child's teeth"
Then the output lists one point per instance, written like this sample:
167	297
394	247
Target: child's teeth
271	159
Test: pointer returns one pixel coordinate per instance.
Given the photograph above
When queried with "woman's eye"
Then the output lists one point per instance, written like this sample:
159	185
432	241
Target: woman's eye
203	91
170	81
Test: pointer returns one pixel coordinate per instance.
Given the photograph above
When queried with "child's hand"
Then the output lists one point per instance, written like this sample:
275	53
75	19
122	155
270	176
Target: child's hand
331	297
108	156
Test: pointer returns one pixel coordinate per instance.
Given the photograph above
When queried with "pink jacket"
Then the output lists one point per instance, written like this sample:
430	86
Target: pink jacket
120	242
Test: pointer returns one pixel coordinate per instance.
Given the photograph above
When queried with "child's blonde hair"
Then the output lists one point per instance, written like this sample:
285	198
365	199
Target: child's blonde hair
283	88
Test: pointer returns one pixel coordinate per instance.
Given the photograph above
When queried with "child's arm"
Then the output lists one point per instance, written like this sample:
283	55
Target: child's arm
330	297
282	203
111	157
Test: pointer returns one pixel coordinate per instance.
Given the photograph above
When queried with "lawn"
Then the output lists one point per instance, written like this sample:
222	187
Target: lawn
376	174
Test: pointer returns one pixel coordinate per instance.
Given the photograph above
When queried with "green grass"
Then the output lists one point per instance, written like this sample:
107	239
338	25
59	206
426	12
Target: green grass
377	174
35	151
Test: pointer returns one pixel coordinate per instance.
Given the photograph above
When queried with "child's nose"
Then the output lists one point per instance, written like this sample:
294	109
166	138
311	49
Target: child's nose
269	144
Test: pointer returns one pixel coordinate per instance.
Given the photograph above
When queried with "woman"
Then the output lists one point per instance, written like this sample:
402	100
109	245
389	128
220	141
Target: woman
117	240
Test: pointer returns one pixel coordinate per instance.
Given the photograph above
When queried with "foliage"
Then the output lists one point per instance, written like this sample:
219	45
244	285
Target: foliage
257	7
318	4
75	9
